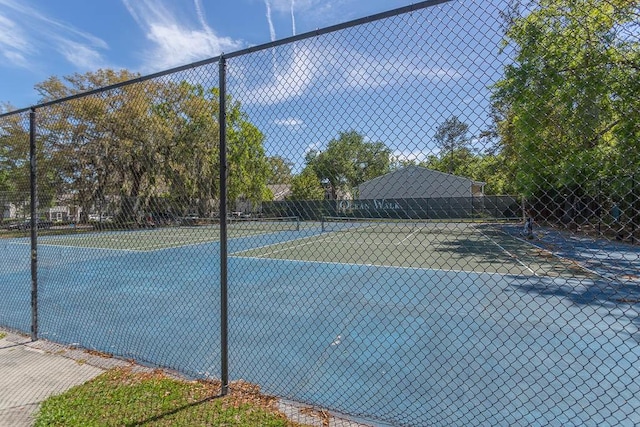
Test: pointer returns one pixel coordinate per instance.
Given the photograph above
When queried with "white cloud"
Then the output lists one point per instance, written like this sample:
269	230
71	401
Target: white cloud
272	31
284	6
13	43
290	122
293	18
414	156
316	146
20	43
319	12
176	42
80	55
296	70
365	71
202	19
290	7
15	58
286	80
11	35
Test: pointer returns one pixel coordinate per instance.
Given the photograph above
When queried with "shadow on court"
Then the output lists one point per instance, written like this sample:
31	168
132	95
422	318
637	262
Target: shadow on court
383	342
609	259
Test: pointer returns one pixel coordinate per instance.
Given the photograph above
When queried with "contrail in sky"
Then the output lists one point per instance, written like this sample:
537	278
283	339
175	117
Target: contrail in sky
203	20
293	18
272	31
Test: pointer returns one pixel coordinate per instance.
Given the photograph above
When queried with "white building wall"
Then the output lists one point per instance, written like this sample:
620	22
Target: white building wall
9	211
416	182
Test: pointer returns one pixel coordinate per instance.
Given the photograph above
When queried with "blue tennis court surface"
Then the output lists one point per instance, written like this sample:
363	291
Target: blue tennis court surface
420	346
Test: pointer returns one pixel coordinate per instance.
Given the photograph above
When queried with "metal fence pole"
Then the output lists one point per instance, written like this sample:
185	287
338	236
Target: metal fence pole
635	208
599	207
224	350
34	224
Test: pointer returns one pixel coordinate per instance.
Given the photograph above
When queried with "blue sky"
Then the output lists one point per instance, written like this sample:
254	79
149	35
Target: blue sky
42	38
392	81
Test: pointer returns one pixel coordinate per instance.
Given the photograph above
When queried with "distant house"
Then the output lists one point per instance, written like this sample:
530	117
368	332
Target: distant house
280	191
243	205
416	192
9	211
63	213
414	182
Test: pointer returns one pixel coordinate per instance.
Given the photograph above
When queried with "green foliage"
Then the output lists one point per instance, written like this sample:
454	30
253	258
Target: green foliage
249	168
451	136
148	141
486	167
349	161
306	186
280	170
455	157
568	104
15	169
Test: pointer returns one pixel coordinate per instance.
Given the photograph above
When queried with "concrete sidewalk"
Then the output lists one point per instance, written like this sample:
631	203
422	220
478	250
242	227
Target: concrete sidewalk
30	372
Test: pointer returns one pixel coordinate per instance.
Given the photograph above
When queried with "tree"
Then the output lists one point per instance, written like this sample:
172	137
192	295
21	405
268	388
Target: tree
568	106
249	168
103	142
15	165
451	135
280	170
349	161
190	161
14	154
306	186
154	143
485	167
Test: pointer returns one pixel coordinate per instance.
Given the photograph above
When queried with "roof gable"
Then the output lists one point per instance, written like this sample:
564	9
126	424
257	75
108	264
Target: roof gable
419	172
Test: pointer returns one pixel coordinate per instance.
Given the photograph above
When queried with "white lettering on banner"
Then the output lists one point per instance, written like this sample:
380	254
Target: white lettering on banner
354	205
344	205
383	204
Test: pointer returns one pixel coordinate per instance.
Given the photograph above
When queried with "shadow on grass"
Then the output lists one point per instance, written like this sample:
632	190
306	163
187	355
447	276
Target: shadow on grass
174	411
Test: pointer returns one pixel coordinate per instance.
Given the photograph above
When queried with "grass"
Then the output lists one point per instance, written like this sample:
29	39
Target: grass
2	335
121	397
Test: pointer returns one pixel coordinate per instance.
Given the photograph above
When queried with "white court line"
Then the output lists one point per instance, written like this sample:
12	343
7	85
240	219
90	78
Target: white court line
146	248
507	252
410	235
563	258
315	239
153	248
353	264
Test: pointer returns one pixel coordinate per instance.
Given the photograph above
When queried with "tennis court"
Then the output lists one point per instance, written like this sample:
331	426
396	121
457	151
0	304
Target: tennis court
416	322
441	245
170	237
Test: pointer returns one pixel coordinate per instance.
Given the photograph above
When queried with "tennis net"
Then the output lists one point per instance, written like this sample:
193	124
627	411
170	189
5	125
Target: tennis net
288	223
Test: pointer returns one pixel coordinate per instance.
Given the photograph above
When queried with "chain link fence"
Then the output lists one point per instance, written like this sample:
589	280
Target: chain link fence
425	217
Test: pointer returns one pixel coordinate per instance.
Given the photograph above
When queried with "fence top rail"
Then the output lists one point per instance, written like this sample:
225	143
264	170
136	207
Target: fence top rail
258	48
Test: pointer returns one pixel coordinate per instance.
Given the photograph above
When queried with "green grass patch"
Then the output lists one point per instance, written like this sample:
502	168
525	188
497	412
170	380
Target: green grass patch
2	335
121	397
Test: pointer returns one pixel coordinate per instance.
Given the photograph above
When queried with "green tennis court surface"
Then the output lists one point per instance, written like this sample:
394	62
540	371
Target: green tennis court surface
457	246
170	237
449	246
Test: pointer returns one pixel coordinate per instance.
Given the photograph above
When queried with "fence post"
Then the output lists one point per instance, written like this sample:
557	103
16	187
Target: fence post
34	223
635	208
224	338
599	207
